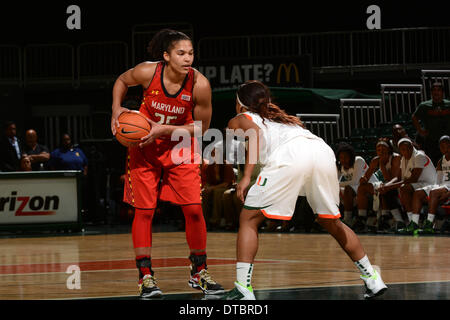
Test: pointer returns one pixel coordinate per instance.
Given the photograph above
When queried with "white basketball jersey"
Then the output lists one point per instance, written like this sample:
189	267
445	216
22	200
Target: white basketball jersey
352	175
445	166
275	134
419	160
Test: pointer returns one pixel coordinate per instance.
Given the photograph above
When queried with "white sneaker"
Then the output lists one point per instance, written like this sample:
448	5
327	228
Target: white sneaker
374	285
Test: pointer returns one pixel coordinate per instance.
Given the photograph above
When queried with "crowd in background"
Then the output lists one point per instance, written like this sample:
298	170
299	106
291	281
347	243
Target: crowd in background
403	189
29	155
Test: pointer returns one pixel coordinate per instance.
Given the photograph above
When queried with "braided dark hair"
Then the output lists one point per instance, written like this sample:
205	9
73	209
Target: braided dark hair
256	98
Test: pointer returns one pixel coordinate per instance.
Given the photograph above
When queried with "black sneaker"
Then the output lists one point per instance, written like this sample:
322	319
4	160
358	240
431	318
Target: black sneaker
148	288
411	228
427	228
200	277
360	225
398	225
383	224
203	281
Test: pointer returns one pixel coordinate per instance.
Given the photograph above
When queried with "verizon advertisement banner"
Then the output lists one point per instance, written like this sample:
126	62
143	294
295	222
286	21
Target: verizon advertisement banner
277	72
38	200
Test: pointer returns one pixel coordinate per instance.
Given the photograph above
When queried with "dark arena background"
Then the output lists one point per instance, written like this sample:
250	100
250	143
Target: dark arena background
350	70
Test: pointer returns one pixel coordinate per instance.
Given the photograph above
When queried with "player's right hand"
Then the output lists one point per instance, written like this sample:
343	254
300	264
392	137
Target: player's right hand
115	118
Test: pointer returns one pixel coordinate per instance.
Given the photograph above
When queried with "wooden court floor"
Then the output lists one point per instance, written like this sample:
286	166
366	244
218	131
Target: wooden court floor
288	266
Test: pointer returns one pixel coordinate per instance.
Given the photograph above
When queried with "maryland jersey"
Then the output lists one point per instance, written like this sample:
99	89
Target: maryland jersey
164	108
164	169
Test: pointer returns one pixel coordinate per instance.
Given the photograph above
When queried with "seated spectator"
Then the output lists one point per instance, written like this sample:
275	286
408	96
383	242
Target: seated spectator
68	157
217	179
25	164
10	149
441	201
432	120
37	153
416	171
350	170
399	132
434	194
385	165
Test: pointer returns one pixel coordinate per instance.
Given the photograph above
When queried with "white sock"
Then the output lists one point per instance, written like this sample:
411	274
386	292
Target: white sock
362	213
415	217
409	214
430	217
365	267
244	272
397	215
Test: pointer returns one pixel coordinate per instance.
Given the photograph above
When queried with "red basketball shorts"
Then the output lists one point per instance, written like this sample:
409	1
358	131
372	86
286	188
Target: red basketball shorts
152	175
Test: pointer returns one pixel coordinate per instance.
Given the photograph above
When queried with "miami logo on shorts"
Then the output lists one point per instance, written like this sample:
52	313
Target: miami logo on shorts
259	182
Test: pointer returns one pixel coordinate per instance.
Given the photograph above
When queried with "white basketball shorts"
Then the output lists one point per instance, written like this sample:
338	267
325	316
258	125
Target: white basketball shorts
427	189
300	167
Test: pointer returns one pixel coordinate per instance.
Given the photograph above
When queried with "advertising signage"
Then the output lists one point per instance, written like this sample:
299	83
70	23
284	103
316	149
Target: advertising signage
274	72
39	197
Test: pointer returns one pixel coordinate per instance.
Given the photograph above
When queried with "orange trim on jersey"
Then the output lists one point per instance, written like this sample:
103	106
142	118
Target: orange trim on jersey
270	216
247	116
329	216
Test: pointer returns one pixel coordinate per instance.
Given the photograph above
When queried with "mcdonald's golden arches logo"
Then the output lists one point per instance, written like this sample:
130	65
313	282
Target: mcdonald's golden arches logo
287	71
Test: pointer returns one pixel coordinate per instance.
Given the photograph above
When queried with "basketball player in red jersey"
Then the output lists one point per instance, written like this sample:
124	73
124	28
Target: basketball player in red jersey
175	95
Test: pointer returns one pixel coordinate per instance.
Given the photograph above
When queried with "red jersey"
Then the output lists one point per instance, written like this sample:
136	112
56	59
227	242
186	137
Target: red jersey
179	182
161	107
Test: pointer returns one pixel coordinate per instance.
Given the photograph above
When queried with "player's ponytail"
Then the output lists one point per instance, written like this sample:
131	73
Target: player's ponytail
163	41
255	96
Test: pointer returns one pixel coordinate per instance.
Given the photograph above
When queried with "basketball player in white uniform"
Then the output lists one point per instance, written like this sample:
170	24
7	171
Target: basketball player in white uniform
350	170
417	171
294	162
386	164
434	193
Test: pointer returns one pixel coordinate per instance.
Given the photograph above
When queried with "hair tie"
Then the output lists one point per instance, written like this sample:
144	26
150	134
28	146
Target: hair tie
382	143
404	140
240	102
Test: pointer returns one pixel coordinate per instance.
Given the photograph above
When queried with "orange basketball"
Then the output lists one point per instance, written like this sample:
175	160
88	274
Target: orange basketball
133	126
